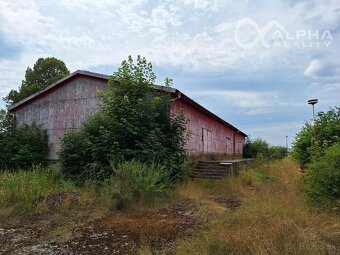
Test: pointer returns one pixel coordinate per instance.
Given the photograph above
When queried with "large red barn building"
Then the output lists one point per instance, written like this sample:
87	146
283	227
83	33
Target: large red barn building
65	104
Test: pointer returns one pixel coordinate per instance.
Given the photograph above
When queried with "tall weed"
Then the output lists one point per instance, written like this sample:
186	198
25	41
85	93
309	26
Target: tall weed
133	180
20	190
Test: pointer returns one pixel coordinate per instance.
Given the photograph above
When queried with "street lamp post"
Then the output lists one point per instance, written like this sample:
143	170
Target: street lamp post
287	145
313	102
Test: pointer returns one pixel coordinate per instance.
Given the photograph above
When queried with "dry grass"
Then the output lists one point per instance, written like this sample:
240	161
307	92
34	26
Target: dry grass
261	211
274	217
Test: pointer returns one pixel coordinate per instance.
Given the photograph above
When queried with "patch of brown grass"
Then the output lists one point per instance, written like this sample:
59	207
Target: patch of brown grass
274	217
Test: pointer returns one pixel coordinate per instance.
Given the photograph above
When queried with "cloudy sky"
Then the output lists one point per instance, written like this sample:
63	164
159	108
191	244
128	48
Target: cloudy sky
253	63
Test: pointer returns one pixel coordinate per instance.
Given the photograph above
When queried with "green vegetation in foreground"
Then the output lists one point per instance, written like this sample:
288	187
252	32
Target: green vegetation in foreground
19	190
133	184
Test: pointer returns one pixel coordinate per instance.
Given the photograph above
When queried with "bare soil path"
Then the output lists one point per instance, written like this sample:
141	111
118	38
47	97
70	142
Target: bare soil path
118	233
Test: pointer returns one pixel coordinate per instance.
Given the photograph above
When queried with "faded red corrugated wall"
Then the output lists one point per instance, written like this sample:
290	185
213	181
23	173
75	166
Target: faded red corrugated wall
67	105
208	135
63	108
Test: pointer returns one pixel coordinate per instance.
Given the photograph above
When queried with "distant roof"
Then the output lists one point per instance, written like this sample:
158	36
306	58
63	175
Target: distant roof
32	97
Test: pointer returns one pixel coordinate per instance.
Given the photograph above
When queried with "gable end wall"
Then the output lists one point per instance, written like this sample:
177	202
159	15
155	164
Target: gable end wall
62	109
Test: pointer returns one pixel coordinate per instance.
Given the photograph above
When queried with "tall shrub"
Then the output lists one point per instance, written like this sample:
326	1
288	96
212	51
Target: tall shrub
134	180
257	148
260	149
322	180
303	145
134	123
328	133
21	147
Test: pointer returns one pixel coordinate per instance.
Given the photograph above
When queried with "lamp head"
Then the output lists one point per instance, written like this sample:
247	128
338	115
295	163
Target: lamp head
313	101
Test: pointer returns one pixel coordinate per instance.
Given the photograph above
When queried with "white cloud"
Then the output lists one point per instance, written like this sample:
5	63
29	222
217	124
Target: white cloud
318	68
276	132
203	4
90	4
313	68
193	35
328	94
158	30
251	102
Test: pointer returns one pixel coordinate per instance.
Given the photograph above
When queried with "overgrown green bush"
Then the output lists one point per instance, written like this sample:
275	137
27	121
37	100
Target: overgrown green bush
322	180
277	152
255	148
328	133
134	180
73	157
260	149
21	147
134	123
303	145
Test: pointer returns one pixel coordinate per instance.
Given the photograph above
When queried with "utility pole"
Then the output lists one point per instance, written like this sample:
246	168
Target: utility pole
287	145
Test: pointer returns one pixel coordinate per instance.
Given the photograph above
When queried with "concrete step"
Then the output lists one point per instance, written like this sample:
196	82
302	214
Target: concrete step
217	169
213	177
210	166
210	170
210	173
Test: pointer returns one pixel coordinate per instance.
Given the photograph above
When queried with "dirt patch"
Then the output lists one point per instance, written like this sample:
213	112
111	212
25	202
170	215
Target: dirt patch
119	233
125	233
232	203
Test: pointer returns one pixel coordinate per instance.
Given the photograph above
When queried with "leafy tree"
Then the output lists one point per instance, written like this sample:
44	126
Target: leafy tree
45	72
133	123
328	133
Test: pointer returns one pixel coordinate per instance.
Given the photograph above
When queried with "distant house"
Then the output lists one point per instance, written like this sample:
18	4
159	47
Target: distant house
65	104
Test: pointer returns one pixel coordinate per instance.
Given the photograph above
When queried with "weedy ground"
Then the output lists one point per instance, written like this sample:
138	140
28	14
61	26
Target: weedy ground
272	216
260	211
